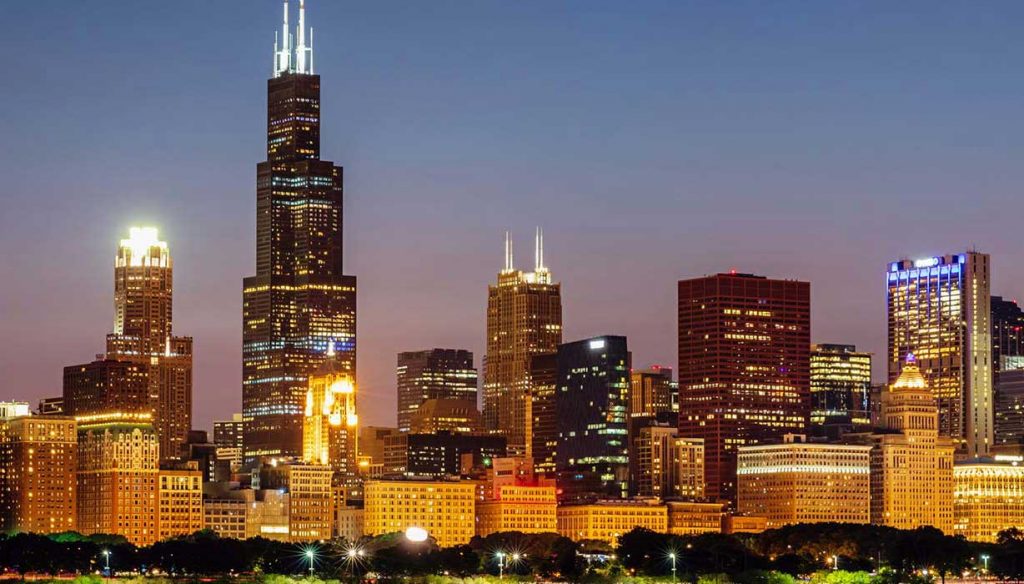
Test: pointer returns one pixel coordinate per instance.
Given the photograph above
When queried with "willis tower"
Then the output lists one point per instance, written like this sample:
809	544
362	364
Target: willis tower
299	307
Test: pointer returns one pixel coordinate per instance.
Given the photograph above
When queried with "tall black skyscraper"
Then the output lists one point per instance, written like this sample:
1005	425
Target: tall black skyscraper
299	304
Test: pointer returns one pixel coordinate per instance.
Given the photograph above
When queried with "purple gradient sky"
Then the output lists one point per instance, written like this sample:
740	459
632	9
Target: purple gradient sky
651	140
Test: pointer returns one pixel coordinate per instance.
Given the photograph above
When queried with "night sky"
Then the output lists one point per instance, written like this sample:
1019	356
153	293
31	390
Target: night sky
653	141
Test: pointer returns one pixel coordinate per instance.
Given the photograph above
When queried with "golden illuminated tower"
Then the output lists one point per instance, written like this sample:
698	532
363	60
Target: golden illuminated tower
330	427
524	318
912	464
146	369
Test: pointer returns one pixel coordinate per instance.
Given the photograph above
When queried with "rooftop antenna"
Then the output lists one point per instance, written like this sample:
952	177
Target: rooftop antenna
538	258
508	252
300	48
283	55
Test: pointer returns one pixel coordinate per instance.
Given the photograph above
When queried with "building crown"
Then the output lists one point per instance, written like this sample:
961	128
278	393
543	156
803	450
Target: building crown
910	377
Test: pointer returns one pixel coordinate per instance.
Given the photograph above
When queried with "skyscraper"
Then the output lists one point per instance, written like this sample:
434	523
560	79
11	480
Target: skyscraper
433	374
592	398
1007	334
650	392
524	318
939	310
912	462
146	373
840	385
543	383
744	366
299	301
38	457
143	301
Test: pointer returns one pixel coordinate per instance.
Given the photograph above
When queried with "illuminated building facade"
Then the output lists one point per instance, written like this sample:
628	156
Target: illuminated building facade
801	482
592	400
310	502
457	416
650	392
840	386
988	497
694	518
911	463
522	508
179	500
940	310
143	301
227	515
330	428
543	383
607	520
229	433
117	480
744	366
14	409
444	509
299	301
110	389
664	465
524	318
435	374
38	457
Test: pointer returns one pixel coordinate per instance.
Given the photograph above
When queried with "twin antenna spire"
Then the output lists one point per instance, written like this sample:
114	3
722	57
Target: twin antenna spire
538	253
300	58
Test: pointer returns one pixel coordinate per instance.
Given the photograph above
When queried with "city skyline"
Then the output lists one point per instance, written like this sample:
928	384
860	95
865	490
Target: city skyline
394	254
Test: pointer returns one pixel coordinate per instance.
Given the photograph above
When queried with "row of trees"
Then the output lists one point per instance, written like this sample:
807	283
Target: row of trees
798	550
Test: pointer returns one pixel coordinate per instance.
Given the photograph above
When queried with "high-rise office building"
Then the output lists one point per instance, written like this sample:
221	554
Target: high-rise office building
840	386
299	302
650	391
1009	411
38	457
146	373
524	318
661	464
118	466
108	389
331	425
940	310
143	333
744	366
1007	335
457	416
543	383
229	433
592	400
911	462
433	374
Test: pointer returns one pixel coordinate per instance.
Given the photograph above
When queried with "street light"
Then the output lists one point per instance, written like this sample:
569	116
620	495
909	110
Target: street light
501	565
106	556
672	556
312	556
984	558
835	562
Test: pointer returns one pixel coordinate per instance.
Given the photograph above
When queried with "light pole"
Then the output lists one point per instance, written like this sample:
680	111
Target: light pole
501	565
311	555
835	562
984	558
106	556
672	556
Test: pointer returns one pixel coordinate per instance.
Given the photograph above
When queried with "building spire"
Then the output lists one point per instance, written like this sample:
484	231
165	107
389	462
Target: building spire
538	254
508	253
297	58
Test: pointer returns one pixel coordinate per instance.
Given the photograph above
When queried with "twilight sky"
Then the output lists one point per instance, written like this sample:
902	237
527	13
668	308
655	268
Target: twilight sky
652	140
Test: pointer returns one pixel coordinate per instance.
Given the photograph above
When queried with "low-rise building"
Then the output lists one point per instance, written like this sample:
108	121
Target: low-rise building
801	482
607	520
744	524
179	500
988	497
694	518
444	509
227	514
527	509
